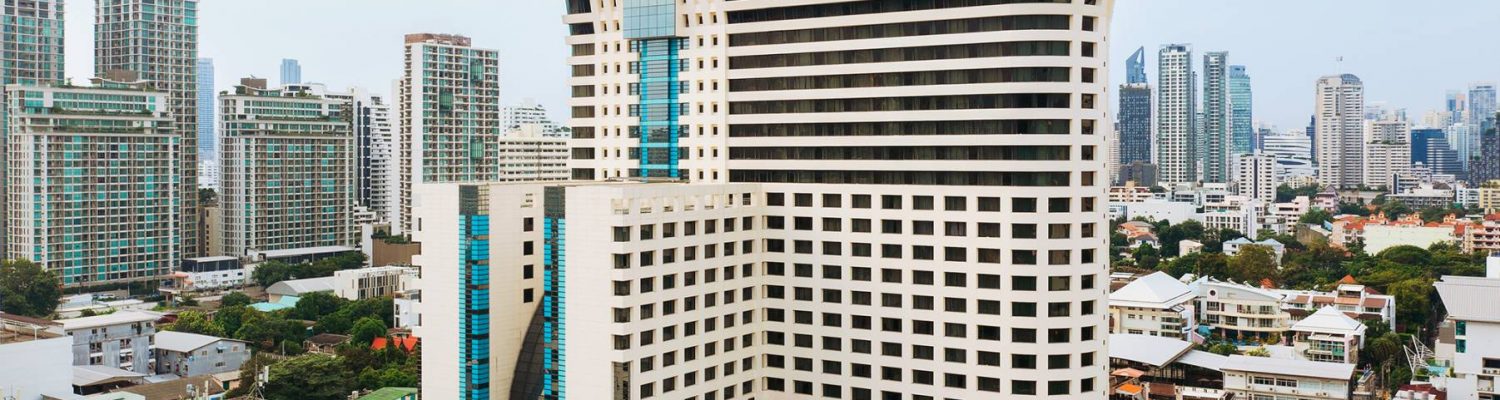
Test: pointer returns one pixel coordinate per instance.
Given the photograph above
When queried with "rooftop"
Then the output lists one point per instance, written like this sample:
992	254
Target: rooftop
1285	367
1470	298
302	286
183	342
1146	349
269	254
177	389
1330	320
391	393
116	318
1157	290
91	375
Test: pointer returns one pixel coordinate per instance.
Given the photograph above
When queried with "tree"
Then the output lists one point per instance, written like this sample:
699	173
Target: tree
1286	193
309	377
336	323
1146	257
268	330
366	330
1413	302
315	305
28	289
1315	216
196	322
1252	264
231	318
235	299
1354	209
1406	254
270	272
1395	209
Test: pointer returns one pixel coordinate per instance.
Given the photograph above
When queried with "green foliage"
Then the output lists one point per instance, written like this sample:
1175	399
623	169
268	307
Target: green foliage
1146	257
266	331
235	299
1170	236
28	289
1413	302
1354	209
1395	209
315	305
196	322
1315	216
1258	352
270	272
309	377
366	330
1252	264
231	318
1223	349
1406	254
1286	193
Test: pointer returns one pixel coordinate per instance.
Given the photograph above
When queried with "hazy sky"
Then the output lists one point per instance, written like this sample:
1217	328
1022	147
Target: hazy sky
1409	53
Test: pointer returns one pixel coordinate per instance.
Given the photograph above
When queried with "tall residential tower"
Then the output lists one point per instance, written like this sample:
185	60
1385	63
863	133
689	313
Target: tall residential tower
1176	114
1340	115
1242	137
33	51
1215	140
207	145
291	72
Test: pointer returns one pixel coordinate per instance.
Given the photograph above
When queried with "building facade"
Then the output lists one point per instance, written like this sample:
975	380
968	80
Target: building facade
208	147
1176	116
1216	139
118	340
1248	377
1255	176
1387	153
33	54
1135	141
375	153
291	72
529	113
1155	305
288	169
190	355
1466	344
1340	141
1242	138
83	162
1430	148
809	180
161	47
449	115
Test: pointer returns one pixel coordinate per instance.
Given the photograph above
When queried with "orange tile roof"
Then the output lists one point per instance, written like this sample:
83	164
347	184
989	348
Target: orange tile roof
405	343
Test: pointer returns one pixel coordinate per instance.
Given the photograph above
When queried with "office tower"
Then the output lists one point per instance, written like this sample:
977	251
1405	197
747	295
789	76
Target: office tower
1340	114
805	195
1255	176
1464	139
1176	112
1387	152
1135	123
449	106
1241	112
160	46
529	114
1293	153
291	72
1135	67
1312	133
1482	106
1430	148
74	180
1215	139
33	51
288	169
1455	105
207	146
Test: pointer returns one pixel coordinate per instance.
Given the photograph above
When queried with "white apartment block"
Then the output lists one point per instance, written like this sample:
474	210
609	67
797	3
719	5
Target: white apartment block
288	169
530	154
1266	378
375	152
1466	343
1240	311
373	282
1340	116
449	115
1176	115
91	181
1255	176
818	152
1387	153
1155	305
529	113
1329	336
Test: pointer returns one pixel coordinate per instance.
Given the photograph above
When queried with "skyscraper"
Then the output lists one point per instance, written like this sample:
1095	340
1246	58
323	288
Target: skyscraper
207	145
1430	147
74	180
1216	125
1255	176
1176	112
1482	105
291	72
288	169
1340	115
160	46
1241	112
375	152
33	51
808	193
1387	152
1135	67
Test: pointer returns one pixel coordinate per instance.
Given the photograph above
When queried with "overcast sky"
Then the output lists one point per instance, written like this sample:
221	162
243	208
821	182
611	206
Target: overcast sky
1409	53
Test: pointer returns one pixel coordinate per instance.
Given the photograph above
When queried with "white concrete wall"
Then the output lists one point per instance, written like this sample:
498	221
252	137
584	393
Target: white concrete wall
30	369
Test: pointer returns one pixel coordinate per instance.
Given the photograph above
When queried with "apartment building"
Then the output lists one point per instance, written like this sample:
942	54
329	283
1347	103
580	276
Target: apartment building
34	32
288	169
1466	343
119	340
1353	299
93	188
1262	378
1329	336
811	153
190	354
448	115
1155	305
157	41
373	282
1240	311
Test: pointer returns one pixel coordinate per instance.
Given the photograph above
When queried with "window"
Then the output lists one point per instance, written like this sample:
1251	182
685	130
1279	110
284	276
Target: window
1022	309
921	202
1059	283
1023	387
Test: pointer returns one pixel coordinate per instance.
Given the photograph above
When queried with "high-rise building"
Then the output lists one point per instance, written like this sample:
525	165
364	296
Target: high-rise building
449	115
1255	176
1135	67
1216	132
73	181
1482	106
208	148
1464	139
1387	152
291	72
529	113
1430	148
159	46
1241	113
733	257
1176	112
1293	153
33	51
1340	114
288	169
1455	105
1135	123
374	150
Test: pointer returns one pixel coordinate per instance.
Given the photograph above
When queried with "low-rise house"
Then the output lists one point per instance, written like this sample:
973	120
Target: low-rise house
210	273
374	282
1255	378
1232	247
1153	305
120	340
1152	367
299	288
1189	246
34	358
189	354
325	343
1239	312
1329	336
1355	300
1467	346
